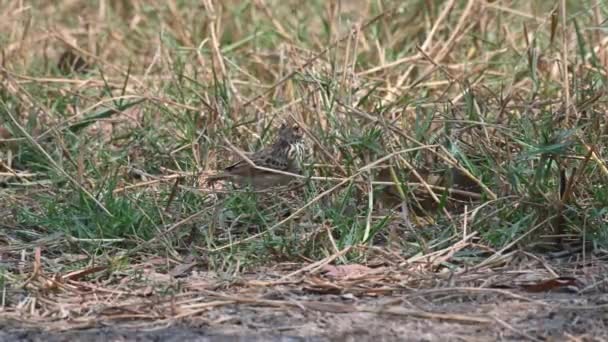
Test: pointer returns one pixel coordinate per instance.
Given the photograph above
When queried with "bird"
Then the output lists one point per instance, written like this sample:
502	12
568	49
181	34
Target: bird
452	178
284	154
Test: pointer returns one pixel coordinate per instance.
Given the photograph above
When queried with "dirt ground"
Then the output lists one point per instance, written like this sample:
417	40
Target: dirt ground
459	315
520	297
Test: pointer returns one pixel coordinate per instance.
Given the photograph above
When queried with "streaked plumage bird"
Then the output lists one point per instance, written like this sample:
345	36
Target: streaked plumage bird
284	154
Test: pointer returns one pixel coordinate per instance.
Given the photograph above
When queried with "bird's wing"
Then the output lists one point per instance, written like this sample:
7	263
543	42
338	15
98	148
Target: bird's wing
273	163
262	158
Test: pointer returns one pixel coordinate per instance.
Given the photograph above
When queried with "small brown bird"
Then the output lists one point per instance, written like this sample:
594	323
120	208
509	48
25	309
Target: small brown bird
285	154
451	178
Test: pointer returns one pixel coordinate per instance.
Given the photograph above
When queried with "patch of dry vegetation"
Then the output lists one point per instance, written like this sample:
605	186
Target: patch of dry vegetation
444	136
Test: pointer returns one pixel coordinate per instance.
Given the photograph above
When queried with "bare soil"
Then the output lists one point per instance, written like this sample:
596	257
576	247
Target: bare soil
519	296
453	315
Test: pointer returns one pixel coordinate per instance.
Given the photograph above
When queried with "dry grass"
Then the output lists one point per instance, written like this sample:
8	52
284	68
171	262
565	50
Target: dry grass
451	132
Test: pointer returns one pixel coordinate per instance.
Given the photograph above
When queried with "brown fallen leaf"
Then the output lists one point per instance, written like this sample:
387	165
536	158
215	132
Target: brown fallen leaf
182	269
5	133
7	146
344	271
81	273
556	284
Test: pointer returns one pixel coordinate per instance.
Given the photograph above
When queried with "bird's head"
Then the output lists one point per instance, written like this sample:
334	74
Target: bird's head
292	137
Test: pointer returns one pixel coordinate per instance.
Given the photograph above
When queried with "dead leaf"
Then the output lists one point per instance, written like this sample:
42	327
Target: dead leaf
344	271
146	291
5	134
556	284
181	269
81	273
